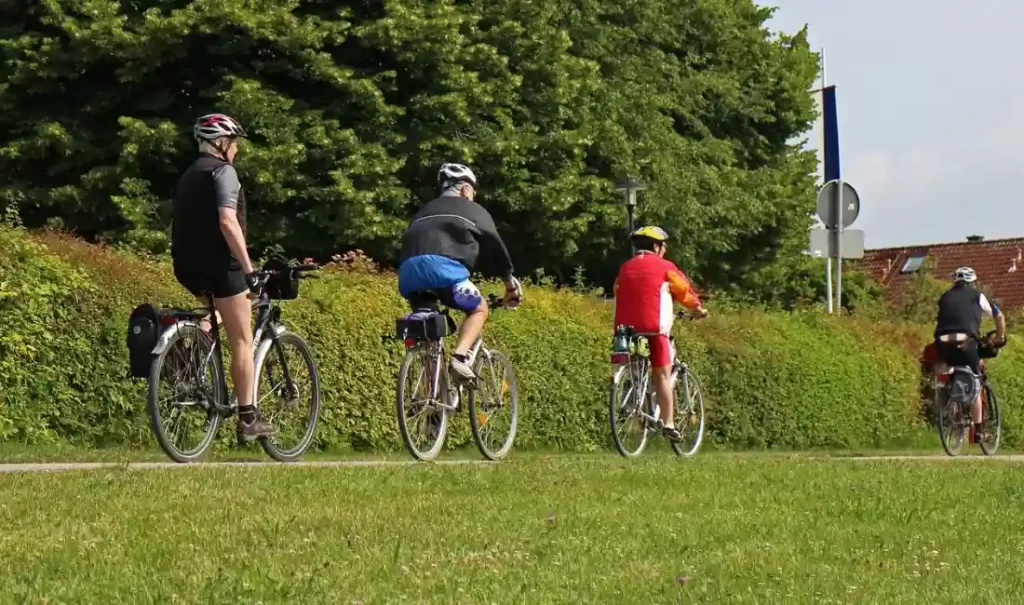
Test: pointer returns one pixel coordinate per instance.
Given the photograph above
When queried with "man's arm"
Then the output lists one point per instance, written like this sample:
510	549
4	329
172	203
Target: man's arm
682	290
227	187
493	243
993	311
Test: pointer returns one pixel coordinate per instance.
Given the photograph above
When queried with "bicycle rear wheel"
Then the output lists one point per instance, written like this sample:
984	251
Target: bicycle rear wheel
494	405
689	412
993	423
289	398
625	402
951	426
423	393
190	370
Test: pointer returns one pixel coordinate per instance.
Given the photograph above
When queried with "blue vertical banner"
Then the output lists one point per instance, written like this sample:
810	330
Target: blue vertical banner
826	130
830	133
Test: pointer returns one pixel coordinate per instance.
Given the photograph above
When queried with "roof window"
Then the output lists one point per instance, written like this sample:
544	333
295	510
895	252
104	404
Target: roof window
913	264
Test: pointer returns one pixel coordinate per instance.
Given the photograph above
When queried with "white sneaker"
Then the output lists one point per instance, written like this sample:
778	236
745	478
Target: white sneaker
461	370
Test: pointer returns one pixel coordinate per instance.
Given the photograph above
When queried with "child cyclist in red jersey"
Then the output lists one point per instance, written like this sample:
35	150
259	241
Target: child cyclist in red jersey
644	290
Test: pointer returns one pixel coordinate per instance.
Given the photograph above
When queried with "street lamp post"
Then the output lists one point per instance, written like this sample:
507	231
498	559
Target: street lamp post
630	186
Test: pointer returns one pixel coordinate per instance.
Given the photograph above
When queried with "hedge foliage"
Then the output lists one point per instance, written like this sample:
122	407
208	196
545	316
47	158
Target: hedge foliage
779	380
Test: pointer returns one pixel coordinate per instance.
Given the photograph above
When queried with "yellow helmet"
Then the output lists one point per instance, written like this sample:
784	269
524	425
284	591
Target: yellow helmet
651	232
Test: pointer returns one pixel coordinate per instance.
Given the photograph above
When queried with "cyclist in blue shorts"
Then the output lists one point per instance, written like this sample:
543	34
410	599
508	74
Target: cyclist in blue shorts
439	249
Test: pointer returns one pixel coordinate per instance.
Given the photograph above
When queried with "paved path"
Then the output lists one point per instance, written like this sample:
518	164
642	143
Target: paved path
936	458
49	467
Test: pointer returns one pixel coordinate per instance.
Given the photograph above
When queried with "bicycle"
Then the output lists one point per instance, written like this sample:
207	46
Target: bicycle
433	394
189	361
954	403
633	403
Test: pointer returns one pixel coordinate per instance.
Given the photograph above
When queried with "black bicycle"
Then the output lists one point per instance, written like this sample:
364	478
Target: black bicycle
427	394
188	363
954	404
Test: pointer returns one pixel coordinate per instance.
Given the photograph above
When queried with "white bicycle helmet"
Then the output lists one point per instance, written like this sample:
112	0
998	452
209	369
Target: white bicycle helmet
452	174
965	275
216	125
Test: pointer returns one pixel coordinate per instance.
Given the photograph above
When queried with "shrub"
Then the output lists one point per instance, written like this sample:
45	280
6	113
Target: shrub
772	379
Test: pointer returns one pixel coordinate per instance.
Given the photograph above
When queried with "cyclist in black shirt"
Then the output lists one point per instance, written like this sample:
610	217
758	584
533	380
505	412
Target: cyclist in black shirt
958	328
440	248
208	247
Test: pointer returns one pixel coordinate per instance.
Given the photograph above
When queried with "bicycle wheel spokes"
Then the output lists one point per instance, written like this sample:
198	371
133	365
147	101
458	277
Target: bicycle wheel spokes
184	386
689	413
993	424
422	395
288	396
629	428
951	425
494	405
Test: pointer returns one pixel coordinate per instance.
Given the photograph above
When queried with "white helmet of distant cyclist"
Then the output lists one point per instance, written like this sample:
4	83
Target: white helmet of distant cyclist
453	174
965	275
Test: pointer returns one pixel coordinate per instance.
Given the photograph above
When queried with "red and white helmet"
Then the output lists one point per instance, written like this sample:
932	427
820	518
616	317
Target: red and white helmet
216	125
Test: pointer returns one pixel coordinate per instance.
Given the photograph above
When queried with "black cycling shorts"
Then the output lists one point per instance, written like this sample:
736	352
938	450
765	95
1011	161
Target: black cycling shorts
221	284
966	354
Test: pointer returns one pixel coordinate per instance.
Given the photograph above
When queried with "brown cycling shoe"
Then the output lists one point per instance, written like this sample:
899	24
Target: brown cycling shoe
257	429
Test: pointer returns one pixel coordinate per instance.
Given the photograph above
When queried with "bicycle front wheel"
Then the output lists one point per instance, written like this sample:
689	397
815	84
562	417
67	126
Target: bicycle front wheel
993	423
689	412
423	394
625	401
494	405
186	383
287	393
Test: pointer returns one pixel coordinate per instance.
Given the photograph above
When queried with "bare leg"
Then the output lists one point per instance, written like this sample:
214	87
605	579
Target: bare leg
471	328
236	313
662	378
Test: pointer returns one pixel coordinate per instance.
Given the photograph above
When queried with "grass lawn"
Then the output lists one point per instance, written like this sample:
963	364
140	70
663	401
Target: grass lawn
539	529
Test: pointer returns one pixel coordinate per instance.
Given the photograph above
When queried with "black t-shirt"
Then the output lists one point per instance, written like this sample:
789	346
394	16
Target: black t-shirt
197	243
960	311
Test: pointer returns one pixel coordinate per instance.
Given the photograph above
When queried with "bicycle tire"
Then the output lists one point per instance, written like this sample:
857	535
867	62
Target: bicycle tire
615	404
683	417
412	354
991	411
949	422
213	418
475	424
270	444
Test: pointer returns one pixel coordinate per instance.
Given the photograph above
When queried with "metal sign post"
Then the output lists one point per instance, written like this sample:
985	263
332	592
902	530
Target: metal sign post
838	207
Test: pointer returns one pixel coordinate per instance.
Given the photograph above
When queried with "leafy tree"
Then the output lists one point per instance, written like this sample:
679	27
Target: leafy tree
352	106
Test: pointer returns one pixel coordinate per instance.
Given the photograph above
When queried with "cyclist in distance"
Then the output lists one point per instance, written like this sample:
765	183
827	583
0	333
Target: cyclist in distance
208	247
644	290
958	328
442	244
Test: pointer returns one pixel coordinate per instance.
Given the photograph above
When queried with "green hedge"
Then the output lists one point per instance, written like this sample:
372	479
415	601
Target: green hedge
780	380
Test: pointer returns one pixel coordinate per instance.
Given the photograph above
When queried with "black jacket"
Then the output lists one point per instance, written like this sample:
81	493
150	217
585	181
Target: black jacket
460	229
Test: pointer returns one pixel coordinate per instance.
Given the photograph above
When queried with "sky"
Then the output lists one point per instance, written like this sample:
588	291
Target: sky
931	112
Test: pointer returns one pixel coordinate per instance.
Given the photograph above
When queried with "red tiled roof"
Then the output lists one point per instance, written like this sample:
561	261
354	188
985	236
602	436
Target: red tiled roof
998	263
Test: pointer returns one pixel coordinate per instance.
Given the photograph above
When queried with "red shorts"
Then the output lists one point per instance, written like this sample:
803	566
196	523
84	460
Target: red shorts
663	353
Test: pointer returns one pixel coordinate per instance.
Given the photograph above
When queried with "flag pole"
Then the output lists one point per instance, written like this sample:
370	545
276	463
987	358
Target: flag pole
828	257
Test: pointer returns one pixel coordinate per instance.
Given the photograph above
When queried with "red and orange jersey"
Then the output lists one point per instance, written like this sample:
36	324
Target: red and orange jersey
644	290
